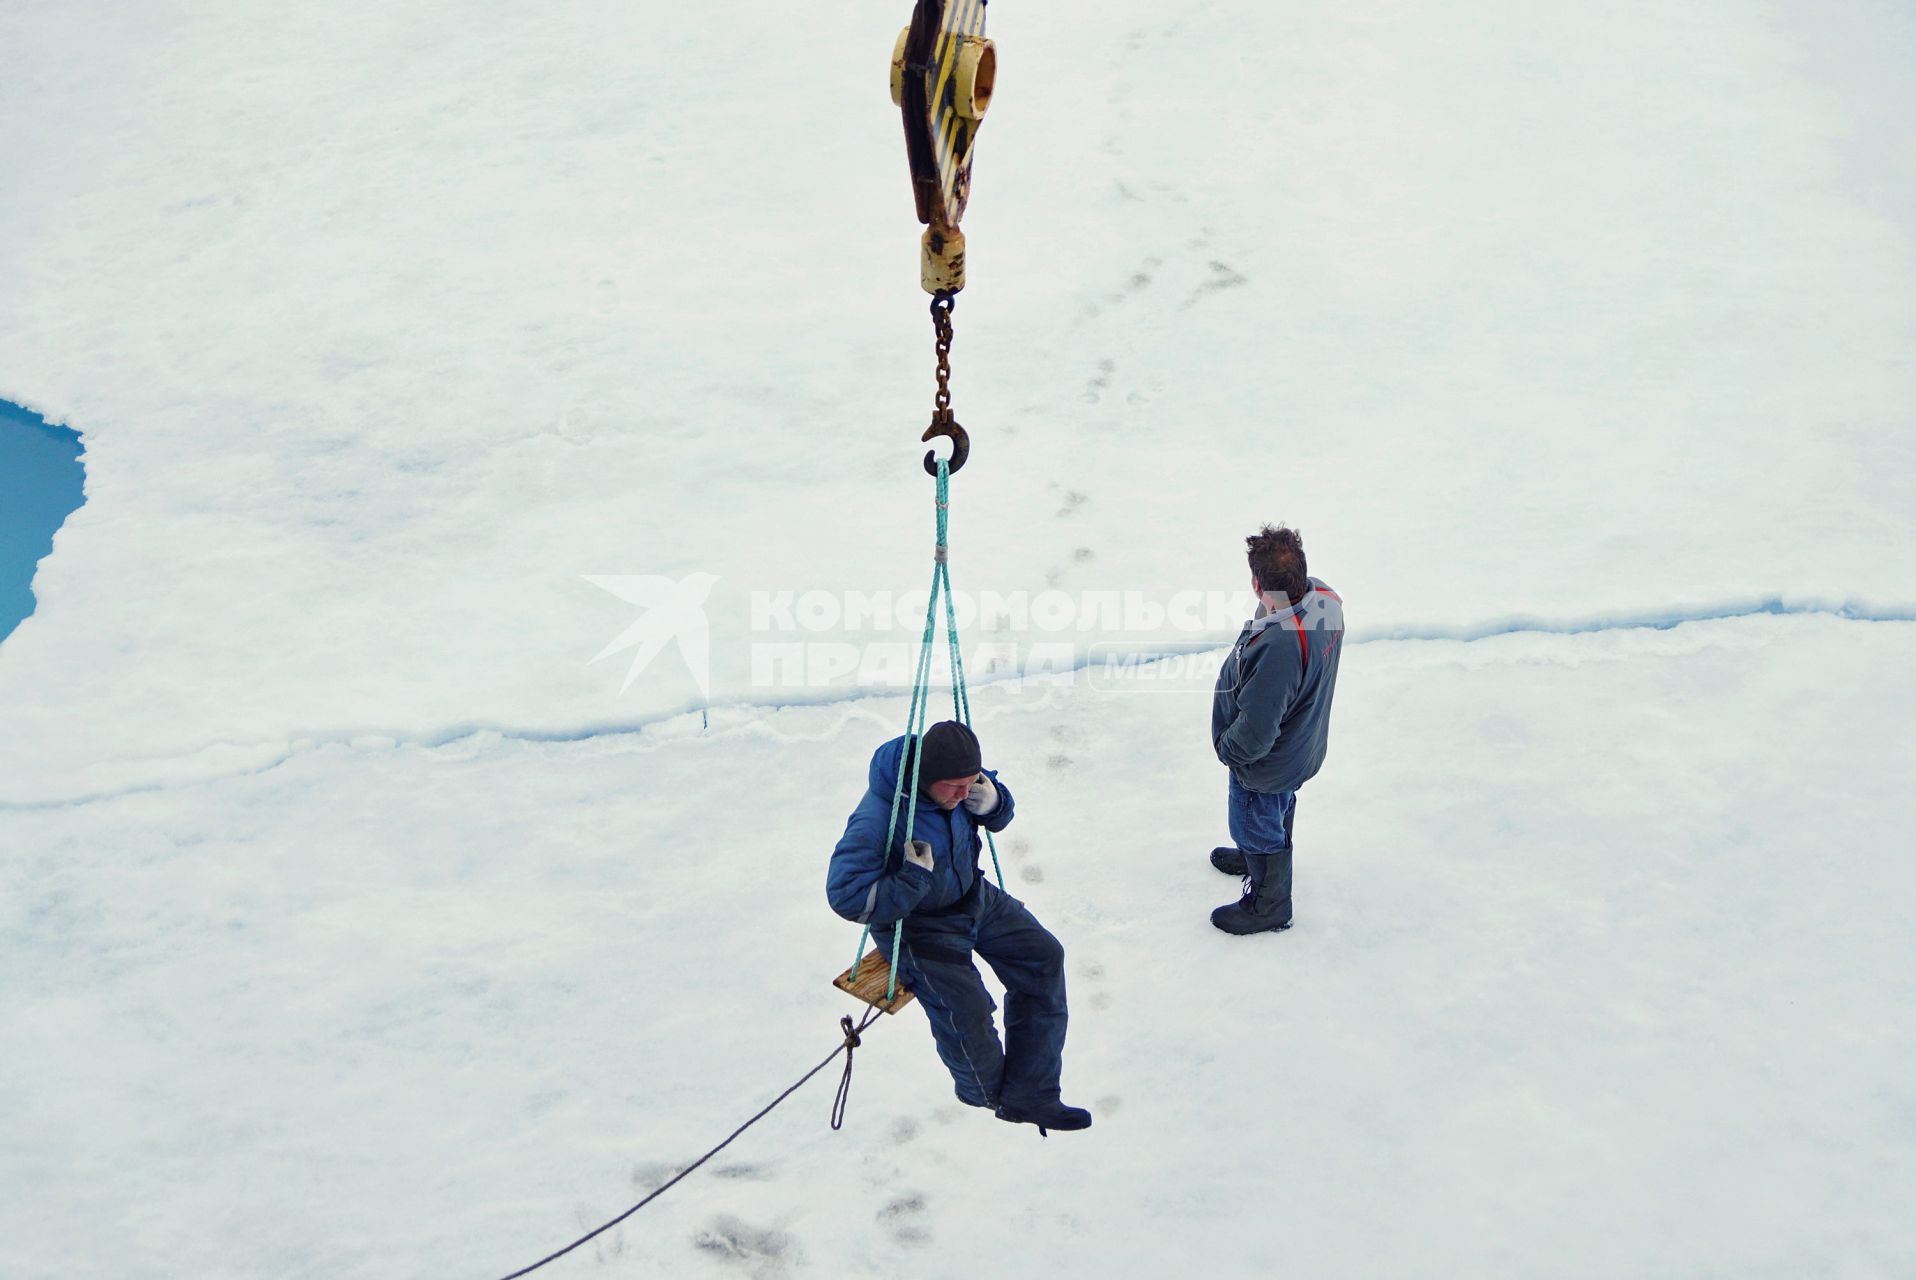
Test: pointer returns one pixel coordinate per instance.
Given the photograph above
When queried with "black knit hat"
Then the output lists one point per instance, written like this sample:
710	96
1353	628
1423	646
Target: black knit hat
951	751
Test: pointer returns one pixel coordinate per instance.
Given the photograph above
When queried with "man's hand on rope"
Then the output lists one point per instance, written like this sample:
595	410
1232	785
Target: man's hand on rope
982	799
919	853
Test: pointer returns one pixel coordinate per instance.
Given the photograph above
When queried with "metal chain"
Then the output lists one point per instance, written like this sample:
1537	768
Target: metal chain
941	305
943	421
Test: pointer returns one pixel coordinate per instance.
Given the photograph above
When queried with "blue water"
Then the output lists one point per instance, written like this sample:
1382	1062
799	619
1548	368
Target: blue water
41	484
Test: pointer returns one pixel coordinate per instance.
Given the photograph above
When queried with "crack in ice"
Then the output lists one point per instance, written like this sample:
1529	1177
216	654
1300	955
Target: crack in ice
752	714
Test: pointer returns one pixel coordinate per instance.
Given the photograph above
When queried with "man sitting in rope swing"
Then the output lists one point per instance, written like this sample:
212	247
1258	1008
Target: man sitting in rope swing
950	910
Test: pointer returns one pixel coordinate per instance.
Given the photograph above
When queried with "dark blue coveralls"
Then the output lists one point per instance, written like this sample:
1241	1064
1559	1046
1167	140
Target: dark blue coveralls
950	913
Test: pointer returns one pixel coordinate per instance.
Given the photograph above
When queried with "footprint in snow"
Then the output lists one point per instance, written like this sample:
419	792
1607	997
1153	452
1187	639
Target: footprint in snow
1223	276
741	1172
1094	975
1095	388
903	1219
653	1174
765	1250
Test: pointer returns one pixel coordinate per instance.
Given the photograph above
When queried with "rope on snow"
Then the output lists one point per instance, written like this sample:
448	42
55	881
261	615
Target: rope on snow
846	1046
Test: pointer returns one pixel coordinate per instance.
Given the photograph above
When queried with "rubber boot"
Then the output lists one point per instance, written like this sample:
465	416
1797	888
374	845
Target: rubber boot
1052	1115
1265	906
1230	860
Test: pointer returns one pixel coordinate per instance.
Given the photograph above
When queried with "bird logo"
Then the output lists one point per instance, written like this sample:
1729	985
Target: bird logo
674	610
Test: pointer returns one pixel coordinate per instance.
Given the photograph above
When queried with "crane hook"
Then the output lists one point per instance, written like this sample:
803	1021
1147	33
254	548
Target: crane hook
943	424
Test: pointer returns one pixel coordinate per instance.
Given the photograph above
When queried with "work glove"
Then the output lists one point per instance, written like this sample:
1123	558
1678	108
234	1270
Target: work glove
919	853
983	796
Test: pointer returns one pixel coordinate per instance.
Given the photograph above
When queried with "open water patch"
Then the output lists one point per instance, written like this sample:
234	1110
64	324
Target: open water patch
42	482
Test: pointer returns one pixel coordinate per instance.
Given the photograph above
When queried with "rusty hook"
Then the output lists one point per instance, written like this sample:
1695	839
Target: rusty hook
943	424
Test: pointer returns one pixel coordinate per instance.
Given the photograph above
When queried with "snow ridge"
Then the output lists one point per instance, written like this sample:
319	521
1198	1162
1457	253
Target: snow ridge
692	720
1652	620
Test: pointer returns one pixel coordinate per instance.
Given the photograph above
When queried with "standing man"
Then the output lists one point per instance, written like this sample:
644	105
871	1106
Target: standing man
951	910
1270	723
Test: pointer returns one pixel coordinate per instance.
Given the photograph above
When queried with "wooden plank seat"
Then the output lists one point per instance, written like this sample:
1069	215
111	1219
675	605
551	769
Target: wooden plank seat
869	980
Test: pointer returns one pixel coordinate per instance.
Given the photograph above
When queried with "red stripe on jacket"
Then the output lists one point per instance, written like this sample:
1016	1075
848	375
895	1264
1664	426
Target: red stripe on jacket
1303	642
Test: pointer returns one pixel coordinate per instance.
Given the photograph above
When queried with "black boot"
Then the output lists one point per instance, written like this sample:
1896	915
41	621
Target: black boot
1050	1115
1265	906
1229	860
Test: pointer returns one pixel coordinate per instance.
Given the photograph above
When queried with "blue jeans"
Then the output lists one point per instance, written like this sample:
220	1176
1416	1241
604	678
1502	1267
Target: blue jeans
1261	821
935	962
1261	825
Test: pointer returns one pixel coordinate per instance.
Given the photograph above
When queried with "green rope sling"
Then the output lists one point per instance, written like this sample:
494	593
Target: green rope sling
915	720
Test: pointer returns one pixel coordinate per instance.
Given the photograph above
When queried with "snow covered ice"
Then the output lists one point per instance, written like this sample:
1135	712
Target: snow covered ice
354	923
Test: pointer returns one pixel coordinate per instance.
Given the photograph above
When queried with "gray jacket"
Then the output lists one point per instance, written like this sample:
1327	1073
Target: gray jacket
1271	713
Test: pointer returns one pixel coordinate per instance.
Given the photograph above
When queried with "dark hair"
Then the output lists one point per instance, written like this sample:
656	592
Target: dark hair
1277	560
